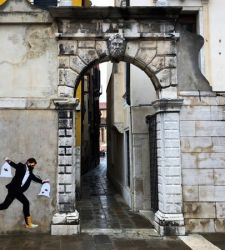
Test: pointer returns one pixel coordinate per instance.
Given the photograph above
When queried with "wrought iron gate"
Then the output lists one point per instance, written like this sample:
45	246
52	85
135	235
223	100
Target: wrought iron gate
151	120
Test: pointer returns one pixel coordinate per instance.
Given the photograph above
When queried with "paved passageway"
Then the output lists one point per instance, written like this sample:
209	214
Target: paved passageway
102	207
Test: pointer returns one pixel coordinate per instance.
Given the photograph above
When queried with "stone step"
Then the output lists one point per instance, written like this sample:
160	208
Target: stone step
135	233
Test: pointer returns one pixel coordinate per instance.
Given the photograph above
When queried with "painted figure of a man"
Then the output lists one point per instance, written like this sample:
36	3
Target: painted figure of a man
19	184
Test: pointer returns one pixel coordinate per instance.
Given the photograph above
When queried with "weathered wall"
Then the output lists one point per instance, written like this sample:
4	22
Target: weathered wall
28	119
28	61
203	165
25	134
28	51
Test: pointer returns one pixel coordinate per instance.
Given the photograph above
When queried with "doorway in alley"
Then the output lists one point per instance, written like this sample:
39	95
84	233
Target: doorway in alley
101	204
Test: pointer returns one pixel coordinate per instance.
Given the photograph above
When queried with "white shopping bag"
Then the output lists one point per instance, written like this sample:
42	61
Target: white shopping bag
45	190
6	170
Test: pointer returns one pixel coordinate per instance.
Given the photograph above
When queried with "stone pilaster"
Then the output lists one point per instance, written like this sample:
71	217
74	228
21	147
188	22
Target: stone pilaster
66	221
169	218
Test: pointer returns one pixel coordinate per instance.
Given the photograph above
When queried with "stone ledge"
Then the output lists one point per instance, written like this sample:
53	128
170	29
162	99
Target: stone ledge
65	229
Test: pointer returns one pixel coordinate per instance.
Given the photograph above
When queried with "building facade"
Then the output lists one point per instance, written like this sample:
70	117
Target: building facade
169	123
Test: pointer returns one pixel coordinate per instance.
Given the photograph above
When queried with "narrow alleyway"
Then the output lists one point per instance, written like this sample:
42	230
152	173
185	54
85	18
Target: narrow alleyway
102	207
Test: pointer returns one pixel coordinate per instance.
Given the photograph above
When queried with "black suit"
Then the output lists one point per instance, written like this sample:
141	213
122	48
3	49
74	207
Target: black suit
16	189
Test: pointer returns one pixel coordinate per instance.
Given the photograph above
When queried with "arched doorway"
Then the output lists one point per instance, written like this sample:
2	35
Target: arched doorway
90	36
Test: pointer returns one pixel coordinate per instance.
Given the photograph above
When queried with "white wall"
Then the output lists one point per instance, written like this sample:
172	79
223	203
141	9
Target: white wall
142	90
217	44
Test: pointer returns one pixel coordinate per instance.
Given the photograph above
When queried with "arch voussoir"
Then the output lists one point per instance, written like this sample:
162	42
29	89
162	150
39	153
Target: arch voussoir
131	51
144	56
77	64
102	49
87	55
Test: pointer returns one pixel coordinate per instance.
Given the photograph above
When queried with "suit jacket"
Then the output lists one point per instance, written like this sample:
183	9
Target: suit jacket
15	184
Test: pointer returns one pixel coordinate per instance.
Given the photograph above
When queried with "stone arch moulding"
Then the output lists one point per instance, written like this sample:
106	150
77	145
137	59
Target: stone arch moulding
88	36
157	58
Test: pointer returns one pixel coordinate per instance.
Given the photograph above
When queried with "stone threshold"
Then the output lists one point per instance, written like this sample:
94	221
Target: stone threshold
140	233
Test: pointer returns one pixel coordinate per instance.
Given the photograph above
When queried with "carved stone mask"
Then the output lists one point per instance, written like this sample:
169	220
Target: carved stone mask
116	46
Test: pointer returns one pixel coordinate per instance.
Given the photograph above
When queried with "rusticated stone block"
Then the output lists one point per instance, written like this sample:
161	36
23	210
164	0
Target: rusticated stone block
61	188
65	198
166	48
170	62
196	144
199	225
61	132
157	63
65	114
86	44
65	141
67	47
195	113
164	77
69	151
148	44
65	123
65	91
64	62
198	210
61	151
131	50
190	193
145	56
210	128
211	193
65	178
102	49
77	64
65	160
67	77
197	177
88	55
220	209
220	225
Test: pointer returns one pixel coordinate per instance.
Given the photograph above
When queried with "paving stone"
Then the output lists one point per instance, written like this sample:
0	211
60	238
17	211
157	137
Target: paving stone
102	239
218	239
101	207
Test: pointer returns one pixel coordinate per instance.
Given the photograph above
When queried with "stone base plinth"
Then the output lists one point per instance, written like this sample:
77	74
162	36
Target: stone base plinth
65	224
169	224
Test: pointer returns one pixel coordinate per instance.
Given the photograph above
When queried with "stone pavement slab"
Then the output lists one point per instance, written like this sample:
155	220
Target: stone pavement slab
101	207
198	242
218	239
32	241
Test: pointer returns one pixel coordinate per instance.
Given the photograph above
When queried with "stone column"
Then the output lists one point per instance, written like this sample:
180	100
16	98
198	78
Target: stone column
66	221
169	218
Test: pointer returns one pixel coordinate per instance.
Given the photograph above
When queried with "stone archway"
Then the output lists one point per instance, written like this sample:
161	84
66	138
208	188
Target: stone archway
144	37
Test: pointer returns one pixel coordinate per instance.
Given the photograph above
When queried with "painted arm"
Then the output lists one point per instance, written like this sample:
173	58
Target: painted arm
11	163
36	179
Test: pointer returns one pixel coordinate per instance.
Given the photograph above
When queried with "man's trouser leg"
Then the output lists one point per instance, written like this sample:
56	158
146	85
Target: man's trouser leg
26	210
26	205
7	202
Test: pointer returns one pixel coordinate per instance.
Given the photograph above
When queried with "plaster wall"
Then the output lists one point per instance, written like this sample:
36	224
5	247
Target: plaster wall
28	60
202	149
142	89
25	134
